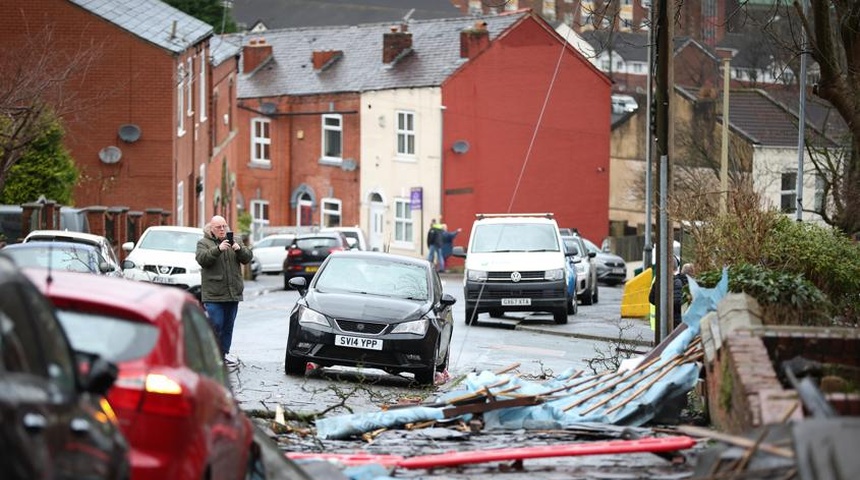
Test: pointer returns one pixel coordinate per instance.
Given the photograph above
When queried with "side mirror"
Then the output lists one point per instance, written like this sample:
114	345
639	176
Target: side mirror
97	374
447	300
104	267
300	284
126	264
459	251
128	246
592	254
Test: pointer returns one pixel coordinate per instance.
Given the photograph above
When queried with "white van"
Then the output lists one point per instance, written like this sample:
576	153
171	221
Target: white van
515	262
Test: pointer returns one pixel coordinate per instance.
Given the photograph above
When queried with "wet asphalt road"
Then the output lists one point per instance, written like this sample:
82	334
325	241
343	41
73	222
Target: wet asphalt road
261	385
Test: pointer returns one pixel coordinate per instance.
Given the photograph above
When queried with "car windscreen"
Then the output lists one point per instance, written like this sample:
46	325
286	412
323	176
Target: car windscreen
514	237
345	273
114	339
311	243
171	241
67	259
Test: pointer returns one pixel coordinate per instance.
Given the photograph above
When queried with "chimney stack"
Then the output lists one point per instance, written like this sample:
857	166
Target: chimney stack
322	59
395	44
254	54
474	40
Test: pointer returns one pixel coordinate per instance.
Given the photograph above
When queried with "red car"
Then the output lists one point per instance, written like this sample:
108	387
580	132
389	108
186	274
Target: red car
172	396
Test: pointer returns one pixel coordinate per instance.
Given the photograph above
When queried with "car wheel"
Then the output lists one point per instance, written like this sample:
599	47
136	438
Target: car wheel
496	313
471	316
588	296
428	376
293	365
560	315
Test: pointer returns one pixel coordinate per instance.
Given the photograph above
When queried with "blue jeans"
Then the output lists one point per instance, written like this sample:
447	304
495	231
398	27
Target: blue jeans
222	316
440	260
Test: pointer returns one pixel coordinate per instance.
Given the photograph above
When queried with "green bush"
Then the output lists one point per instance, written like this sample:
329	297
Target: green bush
786	297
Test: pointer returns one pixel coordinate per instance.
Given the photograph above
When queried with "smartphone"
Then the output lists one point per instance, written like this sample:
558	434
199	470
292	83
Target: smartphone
230	237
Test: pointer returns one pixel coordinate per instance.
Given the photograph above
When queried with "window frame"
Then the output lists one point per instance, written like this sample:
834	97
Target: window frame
789	194
326	211
180	100
189	88
324	144
259	210
263	142
405	131
203	89
404	225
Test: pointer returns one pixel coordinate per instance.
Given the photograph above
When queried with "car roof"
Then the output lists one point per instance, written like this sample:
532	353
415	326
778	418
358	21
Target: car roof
63	234
371	255
141	301
174	228
32	244
329	234
542	219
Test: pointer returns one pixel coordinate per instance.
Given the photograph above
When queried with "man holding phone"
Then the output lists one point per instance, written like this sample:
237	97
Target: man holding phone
222	284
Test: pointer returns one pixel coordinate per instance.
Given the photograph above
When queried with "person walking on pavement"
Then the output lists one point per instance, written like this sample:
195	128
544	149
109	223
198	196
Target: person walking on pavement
435	241
448	242
677	295
221	259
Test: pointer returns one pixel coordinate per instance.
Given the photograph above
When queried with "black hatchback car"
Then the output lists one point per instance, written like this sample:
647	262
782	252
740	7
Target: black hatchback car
54	419
307	252
375	310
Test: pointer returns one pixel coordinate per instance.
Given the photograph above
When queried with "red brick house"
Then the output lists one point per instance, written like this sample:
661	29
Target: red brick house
145	129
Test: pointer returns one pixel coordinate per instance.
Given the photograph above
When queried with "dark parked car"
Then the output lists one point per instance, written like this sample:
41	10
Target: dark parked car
586	272
66	256
307	252
54	419
611	269
172	396
374	310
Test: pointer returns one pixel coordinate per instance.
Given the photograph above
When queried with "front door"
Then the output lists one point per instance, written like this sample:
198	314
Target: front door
377	223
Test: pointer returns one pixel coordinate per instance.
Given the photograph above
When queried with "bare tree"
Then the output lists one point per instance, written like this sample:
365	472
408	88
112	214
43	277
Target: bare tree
34	78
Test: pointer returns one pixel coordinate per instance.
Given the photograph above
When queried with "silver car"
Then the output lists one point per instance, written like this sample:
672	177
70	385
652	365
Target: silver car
611	269
586	272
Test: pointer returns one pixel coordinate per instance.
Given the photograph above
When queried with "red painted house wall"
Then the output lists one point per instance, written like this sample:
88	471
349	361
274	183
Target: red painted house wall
494	103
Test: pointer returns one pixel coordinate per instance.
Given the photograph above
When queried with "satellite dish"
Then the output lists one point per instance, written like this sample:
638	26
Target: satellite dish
460	146
268	108
129	133
110	155
348	165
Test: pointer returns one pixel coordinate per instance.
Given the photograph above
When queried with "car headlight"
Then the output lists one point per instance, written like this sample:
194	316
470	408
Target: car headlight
417	327
556	274
310	317
476	275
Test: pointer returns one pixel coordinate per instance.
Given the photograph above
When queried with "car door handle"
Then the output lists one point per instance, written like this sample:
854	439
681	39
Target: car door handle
34	422
79	425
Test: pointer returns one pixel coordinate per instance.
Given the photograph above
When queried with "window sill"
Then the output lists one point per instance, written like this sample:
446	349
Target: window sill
262	164
406	158
334	162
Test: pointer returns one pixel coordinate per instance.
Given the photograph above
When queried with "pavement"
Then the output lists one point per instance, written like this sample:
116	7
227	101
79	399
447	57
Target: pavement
601	321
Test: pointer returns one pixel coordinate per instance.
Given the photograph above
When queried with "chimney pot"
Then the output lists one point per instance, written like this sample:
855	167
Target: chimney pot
394	44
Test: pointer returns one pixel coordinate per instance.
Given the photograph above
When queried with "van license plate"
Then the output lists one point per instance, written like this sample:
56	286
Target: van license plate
509	302
358	342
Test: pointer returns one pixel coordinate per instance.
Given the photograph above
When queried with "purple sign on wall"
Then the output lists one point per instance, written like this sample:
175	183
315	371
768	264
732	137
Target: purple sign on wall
416	198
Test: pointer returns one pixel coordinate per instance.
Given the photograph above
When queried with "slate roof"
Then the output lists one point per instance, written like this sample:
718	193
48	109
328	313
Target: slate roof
764	120
151	20
435	56
223	47
277	14
632	47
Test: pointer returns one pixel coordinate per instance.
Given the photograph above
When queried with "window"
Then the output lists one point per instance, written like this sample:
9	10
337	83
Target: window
202	81
180	100
180	204
818	203
189	88
788	196
201	196
261	140
259	217
330	215
406	133
403	220
332	141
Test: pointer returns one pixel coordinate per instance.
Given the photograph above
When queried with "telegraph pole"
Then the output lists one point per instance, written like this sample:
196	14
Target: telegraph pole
665	88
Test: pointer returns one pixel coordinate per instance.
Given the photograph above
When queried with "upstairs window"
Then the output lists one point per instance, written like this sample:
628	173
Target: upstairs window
201	79
332	137
189	88
261	141
180	101
406	133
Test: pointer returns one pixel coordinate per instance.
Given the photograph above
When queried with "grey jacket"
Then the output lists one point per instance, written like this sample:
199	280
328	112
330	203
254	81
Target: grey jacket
221	273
